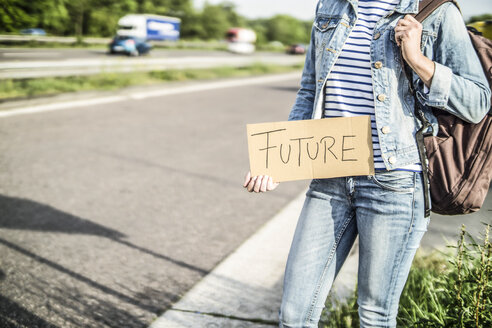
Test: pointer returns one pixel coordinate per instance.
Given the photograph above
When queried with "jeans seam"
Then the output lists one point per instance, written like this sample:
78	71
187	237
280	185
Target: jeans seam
403	249
393	278
413	202
328	261
389	188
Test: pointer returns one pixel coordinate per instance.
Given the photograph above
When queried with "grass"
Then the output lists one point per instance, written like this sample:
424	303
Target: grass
13	88
443	290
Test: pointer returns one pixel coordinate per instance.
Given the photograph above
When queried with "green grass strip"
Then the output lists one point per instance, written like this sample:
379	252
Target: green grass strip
443	290
13	88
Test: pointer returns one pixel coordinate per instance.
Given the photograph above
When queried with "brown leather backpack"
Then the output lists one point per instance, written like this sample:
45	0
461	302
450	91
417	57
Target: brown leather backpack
459	158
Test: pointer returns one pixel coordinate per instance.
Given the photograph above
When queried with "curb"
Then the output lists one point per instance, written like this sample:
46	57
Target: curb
245	289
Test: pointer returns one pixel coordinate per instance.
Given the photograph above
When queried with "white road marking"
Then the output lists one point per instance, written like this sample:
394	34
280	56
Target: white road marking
31	54
60	106
69	67
143	95
247	284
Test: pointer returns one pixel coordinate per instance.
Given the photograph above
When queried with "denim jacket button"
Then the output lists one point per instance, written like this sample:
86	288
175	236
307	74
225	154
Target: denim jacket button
386	129
392	160
382	97
376	36
378	64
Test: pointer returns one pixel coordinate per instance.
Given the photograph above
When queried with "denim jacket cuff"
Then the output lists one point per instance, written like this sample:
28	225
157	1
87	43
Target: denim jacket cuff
438	93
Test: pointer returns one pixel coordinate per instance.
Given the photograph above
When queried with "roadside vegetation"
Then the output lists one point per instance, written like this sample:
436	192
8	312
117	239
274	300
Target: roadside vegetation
13	88
444	290
99	18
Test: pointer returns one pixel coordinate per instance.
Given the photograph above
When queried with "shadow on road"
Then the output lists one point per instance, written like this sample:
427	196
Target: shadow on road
69	300
23	214
18	213
12	315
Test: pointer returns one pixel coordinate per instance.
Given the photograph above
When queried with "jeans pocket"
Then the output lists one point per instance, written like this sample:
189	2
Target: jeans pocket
396	181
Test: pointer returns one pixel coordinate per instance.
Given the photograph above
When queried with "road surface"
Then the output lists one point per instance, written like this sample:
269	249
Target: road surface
37	63
110	213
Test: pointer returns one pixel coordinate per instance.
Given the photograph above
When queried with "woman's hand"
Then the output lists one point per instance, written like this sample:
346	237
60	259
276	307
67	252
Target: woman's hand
408	35
261	183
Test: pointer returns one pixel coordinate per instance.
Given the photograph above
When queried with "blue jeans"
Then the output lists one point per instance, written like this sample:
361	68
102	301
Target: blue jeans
387	212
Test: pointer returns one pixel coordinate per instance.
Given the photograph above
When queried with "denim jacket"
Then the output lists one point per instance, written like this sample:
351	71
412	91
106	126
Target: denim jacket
458	86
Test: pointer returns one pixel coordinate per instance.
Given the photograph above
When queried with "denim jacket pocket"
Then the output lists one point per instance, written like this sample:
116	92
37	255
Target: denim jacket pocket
425	38
396	181
324	23
324	28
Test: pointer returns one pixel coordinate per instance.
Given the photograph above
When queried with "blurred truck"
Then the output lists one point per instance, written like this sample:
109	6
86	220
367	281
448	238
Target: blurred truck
149	27
241	40
134	32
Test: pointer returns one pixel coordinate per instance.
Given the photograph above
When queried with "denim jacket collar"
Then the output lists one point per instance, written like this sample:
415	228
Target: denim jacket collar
404	7
408	7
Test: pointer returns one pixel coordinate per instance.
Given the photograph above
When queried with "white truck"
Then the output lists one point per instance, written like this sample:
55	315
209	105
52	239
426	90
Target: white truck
241	40
149	27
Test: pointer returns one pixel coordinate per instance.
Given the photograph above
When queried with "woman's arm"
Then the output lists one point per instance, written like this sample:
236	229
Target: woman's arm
408	34
304	104
458	84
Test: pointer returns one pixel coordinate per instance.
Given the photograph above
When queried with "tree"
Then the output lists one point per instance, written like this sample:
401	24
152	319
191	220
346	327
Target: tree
287	29
217	19
100	18
18	14
479	18
103	19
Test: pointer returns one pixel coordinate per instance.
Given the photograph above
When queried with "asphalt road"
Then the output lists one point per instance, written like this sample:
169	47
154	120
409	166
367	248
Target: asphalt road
110	213
56	54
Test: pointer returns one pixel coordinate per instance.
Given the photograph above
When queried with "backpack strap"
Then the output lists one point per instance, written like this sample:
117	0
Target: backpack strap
426	7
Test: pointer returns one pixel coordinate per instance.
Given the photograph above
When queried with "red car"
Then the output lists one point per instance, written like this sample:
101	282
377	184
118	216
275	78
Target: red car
296	49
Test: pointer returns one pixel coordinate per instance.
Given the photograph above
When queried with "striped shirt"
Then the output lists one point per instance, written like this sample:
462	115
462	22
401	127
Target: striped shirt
349	89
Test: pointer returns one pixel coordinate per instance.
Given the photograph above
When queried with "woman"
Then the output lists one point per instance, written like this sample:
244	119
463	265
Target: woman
354	67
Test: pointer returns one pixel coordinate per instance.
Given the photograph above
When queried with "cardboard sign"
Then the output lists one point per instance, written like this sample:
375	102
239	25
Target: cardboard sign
311	149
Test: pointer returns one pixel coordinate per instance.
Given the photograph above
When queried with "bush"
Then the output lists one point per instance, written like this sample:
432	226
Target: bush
442	290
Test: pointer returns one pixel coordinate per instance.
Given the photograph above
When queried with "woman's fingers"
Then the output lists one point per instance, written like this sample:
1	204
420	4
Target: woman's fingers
247	178
251	184
271	185
407	20
408	29
264	183
258	183
261	183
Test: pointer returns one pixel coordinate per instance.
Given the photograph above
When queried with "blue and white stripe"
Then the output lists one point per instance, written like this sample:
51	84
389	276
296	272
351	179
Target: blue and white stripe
349	89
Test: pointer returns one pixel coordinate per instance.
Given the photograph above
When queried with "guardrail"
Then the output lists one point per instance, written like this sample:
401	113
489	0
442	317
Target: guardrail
57	39
37	69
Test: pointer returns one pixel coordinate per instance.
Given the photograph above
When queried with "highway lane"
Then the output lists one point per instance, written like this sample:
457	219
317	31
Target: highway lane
37	63
110	213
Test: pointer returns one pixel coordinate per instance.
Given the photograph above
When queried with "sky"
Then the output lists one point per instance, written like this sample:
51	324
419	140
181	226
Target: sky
304	9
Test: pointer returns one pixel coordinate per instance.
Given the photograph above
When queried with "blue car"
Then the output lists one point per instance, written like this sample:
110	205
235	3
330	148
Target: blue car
129	45
33	31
